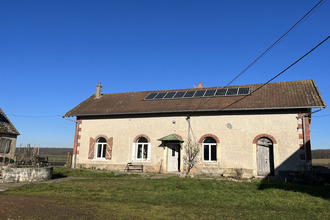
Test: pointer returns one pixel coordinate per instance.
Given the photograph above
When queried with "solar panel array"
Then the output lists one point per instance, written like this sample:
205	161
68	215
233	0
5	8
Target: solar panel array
199	93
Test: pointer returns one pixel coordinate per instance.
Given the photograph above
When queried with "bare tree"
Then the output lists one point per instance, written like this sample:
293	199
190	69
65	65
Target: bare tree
190	159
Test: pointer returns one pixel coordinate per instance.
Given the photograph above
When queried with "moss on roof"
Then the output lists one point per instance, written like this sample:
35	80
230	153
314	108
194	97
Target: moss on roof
6	127
280	95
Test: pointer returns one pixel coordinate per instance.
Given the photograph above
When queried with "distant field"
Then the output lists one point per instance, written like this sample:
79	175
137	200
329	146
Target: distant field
321	162
49	150
56	160
56	156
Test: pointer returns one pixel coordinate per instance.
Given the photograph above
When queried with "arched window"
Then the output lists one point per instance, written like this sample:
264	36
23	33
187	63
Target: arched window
209	149
141	149
101	146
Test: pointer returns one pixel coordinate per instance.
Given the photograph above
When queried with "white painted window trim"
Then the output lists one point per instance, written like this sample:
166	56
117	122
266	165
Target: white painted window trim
96	146
99	159
135	149
216	154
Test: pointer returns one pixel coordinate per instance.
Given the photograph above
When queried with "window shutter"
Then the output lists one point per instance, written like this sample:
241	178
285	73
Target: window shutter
108	153
91	148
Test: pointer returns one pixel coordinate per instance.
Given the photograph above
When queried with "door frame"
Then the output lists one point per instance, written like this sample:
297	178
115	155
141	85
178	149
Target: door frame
270	157
178	147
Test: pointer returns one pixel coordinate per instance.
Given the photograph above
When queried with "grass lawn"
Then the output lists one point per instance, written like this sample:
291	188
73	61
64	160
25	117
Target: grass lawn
105	195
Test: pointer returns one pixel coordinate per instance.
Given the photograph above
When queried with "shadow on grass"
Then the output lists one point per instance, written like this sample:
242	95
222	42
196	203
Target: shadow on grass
315	182
311	189
58	176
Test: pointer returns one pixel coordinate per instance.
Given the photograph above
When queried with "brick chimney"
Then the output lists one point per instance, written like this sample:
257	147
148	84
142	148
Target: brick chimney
98	93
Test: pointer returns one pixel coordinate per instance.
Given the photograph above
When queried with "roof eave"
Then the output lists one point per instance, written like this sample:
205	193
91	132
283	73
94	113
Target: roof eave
190	111
318	93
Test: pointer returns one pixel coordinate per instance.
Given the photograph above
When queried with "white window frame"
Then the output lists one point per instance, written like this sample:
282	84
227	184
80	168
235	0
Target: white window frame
135	152
209	145
103	146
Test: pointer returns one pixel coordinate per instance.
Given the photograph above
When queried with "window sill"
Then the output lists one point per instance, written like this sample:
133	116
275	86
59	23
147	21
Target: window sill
99	159
210	161
142	161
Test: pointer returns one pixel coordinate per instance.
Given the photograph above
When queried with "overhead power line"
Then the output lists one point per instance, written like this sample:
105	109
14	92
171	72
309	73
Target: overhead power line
269	48
319	116
294	63
278	40
35	116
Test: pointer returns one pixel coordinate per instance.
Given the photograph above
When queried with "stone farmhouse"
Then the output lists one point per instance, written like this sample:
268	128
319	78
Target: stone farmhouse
261	129
8	137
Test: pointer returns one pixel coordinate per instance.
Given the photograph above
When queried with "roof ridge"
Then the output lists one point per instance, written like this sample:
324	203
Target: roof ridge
205	88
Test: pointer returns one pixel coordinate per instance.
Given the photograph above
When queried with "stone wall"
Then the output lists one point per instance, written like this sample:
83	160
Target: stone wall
11	174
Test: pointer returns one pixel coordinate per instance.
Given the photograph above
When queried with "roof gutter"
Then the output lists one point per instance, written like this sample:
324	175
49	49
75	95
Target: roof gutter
189	111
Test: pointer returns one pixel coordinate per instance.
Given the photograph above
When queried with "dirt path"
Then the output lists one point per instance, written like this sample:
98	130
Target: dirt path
18	207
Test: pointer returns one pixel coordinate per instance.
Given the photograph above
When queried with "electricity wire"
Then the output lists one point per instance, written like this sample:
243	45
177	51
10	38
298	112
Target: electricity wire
294	63
278	40
37	116
244	70
319	116
268	49
188	116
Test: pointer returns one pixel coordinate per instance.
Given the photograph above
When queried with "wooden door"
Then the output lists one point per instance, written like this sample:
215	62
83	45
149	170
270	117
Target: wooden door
265	157
173	158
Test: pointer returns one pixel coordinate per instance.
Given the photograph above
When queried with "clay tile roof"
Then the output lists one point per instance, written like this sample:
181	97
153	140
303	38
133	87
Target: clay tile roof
6	127
280	95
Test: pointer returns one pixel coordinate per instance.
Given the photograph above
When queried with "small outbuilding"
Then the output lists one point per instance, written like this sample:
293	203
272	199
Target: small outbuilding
8	137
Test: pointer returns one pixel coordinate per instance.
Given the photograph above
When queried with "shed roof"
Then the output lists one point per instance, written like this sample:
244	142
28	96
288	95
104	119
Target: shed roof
279	95
171	137
6	127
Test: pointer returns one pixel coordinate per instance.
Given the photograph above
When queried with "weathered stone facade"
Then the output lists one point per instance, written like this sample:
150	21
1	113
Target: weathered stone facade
236	144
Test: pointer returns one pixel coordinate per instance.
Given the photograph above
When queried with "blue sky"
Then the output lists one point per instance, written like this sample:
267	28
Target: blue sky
53	53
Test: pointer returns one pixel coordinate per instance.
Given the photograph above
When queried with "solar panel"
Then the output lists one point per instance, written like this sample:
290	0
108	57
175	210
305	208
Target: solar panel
169	95
244	91
189	94
232	91
160	95
210	92
179	95
199	93
151	96
221	92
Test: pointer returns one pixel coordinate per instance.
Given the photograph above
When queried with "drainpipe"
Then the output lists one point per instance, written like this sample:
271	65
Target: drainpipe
76	144
304	135
304	131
